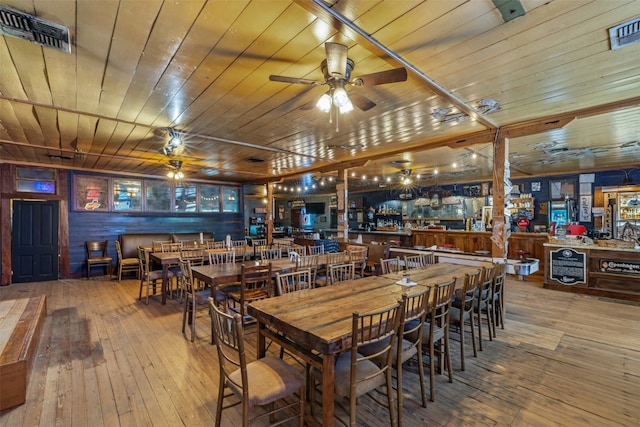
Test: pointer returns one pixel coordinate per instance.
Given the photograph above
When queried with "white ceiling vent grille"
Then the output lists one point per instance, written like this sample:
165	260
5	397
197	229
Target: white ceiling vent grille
18	24
625	34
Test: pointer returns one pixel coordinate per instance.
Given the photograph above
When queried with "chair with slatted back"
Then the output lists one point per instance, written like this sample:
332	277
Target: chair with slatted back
309	262
428	258
497	296
148	277
298	249
375	252
482	303
259	383
171	247
256	284
390	265
208	243
270	254
216	244
333	258
195	299
196	257
462	312
359	258
156	245
315	250
341	273
293	281
413	262
435	332
97	257
222	257
126	265
364	374
410	336
240	249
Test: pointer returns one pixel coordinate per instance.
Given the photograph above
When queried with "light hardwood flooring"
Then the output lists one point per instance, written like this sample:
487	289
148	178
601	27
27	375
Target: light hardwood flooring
106	359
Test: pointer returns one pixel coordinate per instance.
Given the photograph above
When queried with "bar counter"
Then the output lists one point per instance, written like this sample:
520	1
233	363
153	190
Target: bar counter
594	270
521	245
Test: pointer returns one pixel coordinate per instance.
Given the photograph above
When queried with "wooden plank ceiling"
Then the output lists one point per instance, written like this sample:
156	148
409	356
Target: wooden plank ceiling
138	68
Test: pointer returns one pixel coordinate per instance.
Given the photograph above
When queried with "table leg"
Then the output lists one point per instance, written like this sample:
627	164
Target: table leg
262	352
328	378
165	282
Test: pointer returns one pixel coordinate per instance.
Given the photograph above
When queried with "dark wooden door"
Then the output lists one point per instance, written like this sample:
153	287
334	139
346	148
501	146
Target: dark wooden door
34	241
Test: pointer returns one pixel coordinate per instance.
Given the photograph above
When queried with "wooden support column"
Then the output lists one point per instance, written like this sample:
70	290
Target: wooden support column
501	176
269	221
343	199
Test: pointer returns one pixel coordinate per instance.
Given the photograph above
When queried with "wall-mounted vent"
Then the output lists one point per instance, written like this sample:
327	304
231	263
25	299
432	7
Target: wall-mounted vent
21	25
625	34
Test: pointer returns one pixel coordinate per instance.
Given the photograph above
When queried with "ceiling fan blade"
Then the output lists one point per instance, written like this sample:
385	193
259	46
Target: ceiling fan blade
336	59
361	101
285	79
381	77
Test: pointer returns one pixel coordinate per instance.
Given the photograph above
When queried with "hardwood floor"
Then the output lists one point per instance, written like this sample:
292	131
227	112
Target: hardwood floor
107	359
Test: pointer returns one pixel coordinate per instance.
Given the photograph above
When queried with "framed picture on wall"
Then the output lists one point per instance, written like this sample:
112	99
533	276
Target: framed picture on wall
562	189
91	193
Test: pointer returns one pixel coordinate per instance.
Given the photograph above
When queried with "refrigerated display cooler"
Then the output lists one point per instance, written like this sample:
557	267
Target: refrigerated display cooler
627	212
560	213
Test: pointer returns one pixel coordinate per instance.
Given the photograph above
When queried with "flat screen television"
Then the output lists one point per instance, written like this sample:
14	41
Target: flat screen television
315	208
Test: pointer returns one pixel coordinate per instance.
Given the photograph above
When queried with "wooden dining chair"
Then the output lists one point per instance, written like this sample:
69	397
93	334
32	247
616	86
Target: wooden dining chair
126	265
270	254
376	328
436	332
196	257
171	247
255	284
156	245
412	262
315	249
341	273
194	298
332	258
293	281
222	257
497	296
359	258
97	257
216	244
258	383
462	312
309	262
390	265
482	304
298	249
240	249
148	278
409	343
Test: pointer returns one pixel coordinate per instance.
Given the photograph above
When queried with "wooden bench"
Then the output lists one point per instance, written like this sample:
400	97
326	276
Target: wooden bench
19	339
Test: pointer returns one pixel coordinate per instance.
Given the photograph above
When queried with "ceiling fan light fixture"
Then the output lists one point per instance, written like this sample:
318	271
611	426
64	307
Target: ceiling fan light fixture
346	108
340	97
324	103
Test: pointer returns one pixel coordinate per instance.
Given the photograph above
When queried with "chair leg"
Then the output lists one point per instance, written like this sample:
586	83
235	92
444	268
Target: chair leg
462	344
392	414
447	354
479	319
473	335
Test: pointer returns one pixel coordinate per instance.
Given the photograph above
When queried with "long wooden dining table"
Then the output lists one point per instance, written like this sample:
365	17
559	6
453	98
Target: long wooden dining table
315	324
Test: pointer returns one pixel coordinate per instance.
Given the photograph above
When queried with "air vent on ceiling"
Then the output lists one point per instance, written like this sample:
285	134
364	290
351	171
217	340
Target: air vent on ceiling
625	34
21	25
255	160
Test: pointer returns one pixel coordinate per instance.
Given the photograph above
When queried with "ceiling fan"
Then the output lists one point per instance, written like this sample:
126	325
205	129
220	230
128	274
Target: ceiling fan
337	68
